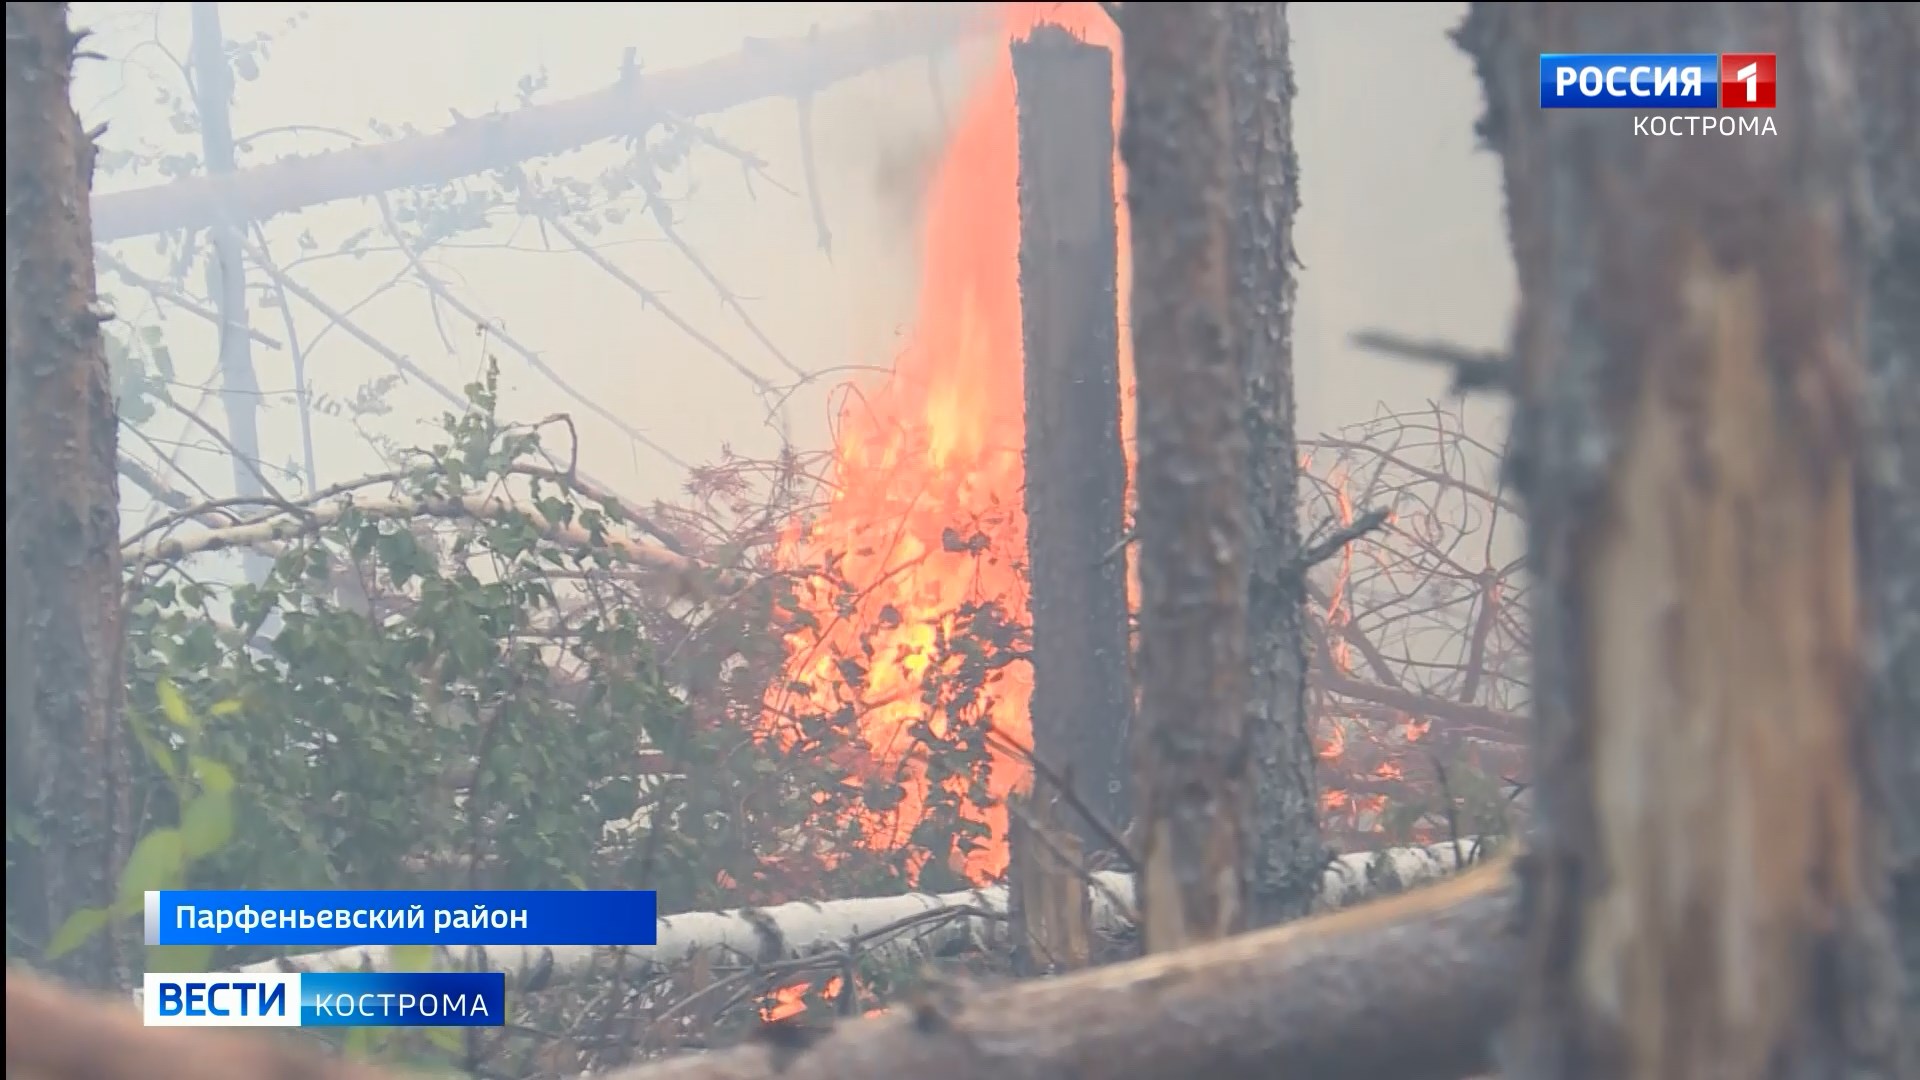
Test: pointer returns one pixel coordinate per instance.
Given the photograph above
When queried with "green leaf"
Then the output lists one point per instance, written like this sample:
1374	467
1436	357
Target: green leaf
156	863
73	933
206	825
225	708
215	778
412	957
161	757
174	707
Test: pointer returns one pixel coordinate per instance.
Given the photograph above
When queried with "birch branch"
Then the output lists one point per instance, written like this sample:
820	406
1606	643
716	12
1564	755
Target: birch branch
803	928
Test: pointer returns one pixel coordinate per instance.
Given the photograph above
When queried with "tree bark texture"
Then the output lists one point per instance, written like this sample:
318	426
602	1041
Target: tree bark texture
1705	886
1884	48
1076	470
67	812
1190	770
1287	852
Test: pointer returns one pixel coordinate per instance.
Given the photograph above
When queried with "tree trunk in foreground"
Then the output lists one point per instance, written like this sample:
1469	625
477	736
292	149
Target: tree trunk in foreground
1884	47
66	751
1705	889
1190	753
1287	852
1075	469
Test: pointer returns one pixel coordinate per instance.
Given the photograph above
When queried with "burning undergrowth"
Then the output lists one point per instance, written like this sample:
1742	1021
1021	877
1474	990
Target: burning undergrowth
894	708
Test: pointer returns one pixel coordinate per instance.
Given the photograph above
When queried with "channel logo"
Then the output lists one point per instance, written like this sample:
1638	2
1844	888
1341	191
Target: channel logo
1657	81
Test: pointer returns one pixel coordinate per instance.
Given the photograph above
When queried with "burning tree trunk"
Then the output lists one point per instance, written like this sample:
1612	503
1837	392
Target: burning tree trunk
1704	886
1190	749
66	764
1076	471
1885	54
1287	853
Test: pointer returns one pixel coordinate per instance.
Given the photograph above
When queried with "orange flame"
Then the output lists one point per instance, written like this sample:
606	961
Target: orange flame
925	514
786	1001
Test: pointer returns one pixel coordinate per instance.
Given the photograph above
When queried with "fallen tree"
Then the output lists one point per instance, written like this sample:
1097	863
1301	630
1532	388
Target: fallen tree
1410	987
1433	967
904	927
793	67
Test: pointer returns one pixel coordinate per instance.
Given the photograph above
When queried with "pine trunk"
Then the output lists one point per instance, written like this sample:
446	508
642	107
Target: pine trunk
1884	47
1191	794
1287	852
67	804
1705	880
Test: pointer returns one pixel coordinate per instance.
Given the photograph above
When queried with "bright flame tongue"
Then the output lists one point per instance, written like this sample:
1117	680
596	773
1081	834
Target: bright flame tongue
931	457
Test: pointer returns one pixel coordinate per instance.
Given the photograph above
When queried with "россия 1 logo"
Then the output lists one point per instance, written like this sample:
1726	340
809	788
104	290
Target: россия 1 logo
1657	81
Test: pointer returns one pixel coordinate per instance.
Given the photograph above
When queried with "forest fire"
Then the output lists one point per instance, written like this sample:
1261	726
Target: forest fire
925	515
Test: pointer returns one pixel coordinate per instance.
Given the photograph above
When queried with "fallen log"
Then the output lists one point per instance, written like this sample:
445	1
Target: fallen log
792	67
800	929
1410	987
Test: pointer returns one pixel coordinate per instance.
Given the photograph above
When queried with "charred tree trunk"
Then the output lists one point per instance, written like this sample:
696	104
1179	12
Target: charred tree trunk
67	813
1076	471
1190	787
1884	48
1704	880
1287	854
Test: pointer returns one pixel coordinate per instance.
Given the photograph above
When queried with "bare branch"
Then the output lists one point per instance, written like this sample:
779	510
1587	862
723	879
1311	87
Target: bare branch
1473	369
762	69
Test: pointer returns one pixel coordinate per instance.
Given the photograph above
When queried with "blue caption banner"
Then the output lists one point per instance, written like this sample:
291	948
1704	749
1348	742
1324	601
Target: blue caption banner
400	917
326	999
403	999
1629	80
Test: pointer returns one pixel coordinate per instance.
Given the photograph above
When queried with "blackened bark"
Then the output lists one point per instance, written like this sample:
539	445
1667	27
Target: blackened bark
1288	855
1191	755
1884	54
1704	876
66	751
1076	470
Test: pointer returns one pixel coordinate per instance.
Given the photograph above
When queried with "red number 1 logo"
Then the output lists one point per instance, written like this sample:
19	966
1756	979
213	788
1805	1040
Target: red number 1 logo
1746	80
